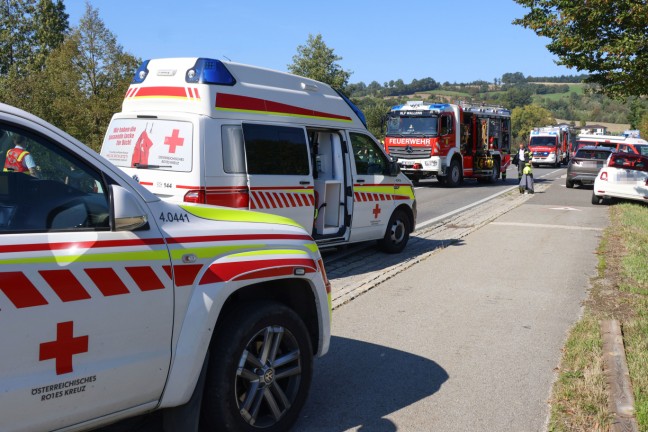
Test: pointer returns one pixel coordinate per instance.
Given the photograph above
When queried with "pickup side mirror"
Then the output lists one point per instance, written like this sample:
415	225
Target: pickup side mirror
127	211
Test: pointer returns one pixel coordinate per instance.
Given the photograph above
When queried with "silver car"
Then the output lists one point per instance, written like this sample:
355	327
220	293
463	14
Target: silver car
585	165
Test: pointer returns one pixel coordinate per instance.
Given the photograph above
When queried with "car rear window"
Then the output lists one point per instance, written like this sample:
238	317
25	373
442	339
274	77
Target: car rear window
592	154
638	163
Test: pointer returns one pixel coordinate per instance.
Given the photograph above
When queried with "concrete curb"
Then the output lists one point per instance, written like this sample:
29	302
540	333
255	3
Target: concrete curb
621	399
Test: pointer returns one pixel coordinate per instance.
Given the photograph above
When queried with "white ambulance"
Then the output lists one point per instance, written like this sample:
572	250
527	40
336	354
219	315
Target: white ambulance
208	131
115	303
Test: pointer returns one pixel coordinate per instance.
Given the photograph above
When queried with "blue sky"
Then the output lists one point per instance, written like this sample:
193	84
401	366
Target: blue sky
378	40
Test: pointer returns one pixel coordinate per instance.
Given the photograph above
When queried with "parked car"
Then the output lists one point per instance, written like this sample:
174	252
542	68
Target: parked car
625	176
585	165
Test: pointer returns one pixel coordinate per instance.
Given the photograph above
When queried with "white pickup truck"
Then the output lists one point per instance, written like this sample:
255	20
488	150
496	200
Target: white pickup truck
114	303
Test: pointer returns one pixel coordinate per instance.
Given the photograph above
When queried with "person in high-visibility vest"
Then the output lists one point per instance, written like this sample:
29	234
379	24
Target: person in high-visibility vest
18	159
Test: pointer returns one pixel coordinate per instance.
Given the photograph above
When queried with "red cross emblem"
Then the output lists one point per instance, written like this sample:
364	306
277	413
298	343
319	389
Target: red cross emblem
174	140
376	211
64	347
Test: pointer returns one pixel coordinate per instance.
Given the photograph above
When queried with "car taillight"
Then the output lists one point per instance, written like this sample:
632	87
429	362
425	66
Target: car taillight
195	196
235	198
604	176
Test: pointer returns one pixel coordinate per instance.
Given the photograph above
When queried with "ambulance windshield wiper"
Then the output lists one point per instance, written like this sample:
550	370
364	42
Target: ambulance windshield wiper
140	166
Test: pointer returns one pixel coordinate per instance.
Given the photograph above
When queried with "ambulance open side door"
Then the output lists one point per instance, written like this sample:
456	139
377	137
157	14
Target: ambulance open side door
333	191
279	171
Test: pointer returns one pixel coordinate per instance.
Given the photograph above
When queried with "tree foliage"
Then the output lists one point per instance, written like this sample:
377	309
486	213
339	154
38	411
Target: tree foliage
74	79
608	38
317	61
525	118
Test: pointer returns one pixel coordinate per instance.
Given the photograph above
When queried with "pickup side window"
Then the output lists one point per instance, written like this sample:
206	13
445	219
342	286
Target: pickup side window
277	150
45	188
369	159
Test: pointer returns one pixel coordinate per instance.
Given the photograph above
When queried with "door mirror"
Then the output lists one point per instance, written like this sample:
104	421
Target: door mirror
128	214
393	169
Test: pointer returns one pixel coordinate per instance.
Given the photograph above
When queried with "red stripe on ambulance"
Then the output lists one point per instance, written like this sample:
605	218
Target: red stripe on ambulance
145	278
246	103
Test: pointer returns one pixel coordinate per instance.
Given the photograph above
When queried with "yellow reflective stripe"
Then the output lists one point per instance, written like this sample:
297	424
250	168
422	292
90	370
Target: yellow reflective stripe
94	258
234	215
211	252
405	190
375	189
283	114
270	252
300	191
311	247
22	155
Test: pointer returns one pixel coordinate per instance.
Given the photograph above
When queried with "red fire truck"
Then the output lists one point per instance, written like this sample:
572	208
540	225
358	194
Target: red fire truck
449	141
550	145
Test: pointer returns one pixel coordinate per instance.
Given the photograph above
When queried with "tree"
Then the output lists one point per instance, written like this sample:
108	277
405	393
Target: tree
105	72
643	125
524	119
608	38
51	26
16	34
317	61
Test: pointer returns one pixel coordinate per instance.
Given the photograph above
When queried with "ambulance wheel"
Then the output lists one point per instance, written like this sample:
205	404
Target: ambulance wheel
259	372
454	174
397	233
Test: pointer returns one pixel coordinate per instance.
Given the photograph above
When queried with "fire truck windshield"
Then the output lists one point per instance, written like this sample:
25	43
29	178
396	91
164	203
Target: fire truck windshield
542	141
400	125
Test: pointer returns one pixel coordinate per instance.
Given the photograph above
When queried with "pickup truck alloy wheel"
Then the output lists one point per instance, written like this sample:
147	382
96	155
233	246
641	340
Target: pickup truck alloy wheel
260	370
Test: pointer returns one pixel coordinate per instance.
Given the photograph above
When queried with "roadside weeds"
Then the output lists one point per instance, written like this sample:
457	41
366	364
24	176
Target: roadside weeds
579	400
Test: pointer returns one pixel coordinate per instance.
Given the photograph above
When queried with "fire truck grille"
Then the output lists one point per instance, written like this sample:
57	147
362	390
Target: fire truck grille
410	152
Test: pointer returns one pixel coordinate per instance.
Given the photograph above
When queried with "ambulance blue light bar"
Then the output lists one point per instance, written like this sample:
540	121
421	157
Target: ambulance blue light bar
354	107
141	73
209	71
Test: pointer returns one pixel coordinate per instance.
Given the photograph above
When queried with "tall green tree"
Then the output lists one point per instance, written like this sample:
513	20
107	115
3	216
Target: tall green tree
51	26
525	118
608	38
16	34
105	71
317	61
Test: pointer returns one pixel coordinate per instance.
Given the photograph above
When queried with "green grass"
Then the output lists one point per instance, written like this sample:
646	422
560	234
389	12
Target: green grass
579	399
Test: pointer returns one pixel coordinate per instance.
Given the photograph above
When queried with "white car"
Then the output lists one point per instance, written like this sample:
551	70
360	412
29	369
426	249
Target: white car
624	176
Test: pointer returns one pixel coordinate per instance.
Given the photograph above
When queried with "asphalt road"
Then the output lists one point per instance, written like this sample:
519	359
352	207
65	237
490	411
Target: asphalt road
468	338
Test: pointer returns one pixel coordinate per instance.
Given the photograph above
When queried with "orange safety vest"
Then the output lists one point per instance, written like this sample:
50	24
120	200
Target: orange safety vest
14	159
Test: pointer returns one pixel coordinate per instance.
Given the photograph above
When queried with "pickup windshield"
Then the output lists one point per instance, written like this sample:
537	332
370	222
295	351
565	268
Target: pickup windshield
398	125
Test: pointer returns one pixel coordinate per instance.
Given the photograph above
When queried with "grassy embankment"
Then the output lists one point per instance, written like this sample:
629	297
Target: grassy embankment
620	291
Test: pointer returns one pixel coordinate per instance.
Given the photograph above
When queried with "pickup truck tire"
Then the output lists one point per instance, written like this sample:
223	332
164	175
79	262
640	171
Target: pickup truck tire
259	372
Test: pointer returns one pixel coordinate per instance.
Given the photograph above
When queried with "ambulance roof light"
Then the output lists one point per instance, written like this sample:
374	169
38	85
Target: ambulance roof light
141	73
353	107
209	71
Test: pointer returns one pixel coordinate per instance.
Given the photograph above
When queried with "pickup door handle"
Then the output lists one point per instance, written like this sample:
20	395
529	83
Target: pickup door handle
360	181
304	182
